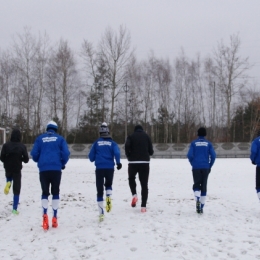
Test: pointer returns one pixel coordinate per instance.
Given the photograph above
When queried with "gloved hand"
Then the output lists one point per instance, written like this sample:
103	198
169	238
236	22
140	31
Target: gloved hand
63	167
119	166
254	163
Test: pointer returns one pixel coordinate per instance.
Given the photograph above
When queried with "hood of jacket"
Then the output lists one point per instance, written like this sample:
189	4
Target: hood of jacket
16	135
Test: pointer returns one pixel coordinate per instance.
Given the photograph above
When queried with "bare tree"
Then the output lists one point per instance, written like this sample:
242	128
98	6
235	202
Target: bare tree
115	50
253	97
89	56
42	57
7	83
25	53
210	90
163	79
52	93
230	71
62	76
148	93
146	90
132	92
97	81
196	75
180	83
80	97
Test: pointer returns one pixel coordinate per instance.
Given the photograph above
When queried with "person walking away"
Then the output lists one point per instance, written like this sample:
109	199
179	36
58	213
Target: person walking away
138	149
51	153
13	154
201	156
255	159
104	152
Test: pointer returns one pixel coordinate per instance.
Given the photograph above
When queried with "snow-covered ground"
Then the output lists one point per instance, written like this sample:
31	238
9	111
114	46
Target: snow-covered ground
170	229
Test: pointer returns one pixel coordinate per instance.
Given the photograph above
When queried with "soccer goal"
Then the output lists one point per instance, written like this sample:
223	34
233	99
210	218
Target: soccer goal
2	136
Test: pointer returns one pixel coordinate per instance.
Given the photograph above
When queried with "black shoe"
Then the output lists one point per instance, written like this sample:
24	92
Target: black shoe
198	207
201	211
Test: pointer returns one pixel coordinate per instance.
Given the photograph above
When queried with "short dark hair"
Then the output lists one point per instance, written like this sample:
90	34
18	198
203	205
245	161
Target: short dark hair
202	131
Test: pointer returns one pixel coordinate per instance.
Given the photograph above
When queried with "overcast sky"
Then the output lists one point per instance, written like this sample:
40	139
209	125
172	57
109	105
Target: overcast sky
164	26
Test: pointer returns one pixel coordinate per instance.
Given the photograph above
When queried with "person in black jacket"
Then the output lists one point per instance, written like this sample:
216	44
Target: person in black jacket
138	149
13	153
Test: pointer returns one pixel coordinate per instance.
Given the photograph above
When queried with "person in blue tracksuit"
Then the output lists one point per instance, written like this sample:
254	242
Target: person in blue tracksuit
104	152
201	156
255	159
51	153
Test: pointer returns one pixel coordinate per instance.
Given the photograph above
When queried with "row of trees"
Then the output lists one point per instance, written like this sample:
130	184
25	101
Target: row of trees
40	81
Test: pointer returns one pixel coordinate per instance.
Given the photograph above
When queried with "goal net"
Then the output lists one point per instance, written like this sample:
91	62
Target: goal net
2	136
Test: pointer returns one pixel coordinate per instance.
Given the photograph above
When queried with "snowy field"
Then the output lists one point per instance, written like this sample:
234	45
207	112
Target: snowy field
170	229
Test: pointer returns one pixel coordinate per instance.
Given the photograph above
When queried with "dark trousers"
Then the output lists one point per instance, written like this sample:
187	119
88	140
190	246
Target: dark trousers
52	178
200	179
257	179
104	177
143	173
16	178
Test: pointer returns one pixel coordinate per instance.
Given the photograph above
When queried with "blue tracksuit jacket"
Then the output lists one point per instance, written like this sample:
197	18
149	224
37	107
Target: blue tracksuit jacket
255	151
103	152
50	151
201	154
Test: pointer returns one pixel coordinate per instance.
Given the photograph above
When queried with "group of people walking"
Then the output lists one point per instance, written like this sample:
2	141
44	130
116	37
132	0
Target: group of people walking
138	149
50	152
104	151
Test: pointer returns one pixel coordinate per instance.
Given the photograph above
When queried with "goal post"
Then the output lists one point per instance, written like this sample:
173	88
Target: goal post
2	136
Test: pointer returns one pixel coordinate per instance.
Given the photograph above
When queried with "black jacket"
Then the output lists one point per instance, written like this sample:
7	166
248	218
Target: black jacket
138	146
13	153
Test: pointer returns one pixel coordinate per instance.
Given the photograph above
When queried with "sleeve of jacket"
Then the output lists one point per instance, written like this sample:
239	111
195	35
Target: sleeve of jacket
212	155
65	153
150	148
190	154
25	158
2	156
35	152
253	152
128	147
116	152
92	153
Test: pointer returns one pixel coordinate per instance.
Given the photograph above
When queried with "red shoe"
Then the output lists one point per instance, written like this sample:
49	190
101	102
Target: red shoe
143	209
54	222
45	222
134	201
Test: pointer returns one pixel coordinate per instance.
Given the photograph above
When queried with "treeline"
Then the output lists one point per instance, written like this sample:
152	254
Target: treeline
80	89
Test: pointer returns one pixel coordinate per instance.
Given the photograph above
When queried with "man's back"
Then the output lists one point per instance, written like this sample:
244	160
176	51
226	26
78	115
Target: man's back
14	153
138	146
201	153
103	152
50	150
